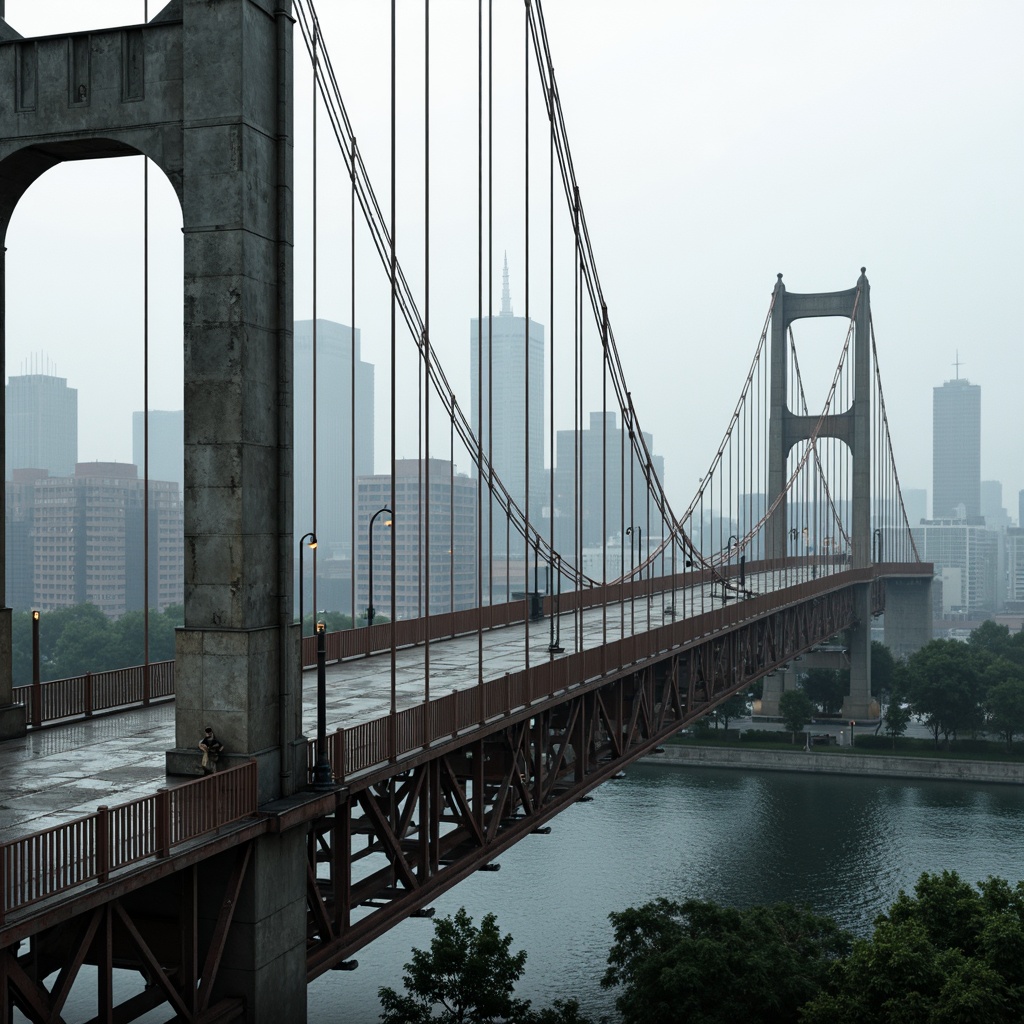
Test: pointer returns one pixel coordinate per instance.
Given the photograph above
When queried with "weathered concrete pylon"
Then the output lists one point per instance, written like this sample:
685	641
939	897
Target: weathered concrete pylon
852	426
204	90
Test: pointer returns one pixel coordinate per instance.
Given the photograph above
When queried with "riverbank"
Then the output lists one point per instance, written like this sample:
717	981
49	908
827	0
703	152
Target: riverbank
839	763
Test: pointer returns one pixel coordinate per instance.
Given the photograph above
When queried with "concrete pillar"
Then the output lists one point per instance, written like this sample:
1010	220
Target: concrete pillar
265	954
858	704
908	615
237	656
12	716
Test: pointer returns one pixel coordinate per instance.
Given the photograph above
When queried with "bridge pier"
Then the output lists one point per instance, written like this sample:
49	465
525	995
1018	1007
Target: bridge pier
858	704
264	958
908	615
12	716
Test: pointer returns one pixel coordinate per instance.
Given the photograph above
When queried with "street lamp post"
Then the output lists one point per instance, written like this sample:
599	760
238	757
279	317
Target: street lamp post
877	537
37	692
640	554
322	770
311	538
370	612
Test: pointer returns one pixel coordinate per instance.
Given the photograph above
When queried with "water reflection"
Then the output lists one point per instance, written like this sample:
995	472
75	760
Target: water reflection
843	846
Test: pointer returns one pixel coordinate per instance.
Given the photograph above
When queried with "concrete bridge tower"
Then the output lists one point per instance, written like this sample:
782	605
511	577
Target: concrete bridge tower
852	426
204	90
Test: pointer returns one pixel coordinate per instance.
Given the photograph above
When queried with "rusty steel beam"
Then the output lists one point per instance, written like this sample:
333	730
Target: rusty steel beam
493	789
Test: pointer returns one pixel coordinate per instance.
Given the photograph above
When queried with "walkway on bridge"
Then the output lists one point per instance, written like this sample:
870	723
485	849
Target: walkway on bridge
62	772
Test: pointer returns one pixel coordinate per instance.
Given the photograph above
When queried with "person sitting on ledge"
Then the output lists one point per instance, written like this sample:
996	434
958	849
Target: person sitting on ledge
211	748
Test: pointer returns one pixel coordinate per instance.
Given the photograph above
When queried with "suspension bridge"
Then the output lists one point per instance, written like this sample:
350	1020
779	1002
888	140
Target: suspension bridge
369	770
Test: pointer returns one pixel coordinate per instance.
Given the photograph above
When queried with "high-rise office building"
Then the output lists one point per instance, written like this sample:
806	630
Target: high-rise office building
450	539
624	486
506	358
996	517
966	558
81	539
956	450
336	364
166	445
41	422
915	501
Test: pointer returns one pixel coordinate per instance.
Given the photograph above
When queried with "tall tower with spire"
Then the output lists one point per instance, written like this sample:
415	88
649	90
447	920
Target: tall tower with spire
506	356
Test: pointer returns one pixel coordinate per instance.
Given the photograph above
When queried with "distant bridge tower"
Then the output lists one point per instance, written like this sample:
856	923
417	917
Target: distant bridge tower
204	90
851	426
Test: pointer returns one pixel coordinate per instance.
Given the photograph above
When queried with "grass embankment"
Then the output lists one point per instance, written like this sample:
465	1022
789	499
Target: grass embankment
868	744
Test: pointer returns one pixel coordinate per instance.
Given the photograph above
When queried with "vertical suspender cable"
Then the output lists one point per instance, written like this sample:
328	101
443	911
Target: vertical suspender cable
316	81
526	334
428	546
146	690
352	385
553	609
394	328
480	348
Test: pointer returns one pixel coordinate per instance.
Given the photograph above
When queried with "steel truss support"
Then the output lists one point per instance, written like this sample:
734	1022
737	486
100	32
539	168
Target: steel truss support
159	931
396	841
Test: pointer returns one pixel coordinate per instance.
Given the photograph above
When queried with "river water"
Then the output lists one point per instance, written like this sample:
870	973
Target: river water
842	845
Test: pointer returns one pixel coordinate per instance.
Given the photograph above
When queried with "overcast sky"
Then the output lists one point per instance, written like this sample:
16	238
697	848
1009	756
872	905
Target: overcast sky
715	145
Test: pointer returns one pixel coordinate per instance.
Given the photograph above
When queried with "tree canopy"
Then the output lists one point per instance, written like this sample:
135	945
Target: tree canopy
949	953
702	963
468	976
796	710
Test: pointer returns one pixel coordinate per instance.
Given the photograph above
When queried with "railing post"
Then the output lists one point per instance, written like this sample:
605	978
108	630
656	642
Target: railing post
102	843
339	754
146	690
87	686
5	881
163	822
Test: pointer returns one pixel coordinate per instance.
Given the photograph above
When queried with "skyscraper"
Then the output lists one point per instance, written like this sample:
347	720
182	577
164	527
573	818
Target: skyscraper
41	422
166	445
335	363
452	540
602	443
956	450
506	358
80	538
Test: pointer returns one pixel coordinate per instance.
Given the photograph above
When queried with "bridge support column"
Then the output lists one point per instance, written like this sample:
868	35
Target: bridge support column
12	716
908	615
265	954
858	704
773	687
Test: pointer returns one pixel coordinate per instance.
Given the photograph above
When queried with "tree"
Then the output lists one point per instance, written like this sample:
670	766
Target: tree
896	719
943	687
796	710
883	670
1005	703
702	963
827	688
951	952
468	975
735	707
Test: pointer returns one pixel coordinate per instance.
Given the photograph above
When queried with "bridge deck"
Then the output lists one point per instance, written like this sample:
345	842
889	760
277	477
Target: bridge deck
60	773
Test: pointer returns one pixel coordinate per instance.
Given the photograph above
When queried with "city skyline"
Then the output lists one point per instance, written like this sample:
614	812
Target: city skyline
688	283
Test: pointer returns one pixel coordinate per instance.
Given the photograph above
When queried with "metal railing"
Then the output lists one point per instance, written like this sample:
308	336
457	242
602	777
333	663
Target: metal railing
51	861
83	696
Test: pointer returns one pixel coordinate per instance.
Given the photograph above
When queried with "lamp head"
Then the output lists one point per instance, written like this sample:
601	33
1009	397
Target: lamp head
320	627
35	616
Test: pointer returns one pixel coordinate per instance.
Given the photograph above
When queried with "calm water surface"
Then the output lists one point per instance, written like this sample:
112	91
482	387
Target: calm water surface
844	846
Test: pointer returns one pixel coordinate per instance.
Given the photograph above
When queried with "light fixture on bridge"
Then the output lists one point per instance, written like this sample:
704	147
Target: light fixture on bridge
370	611
308	540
